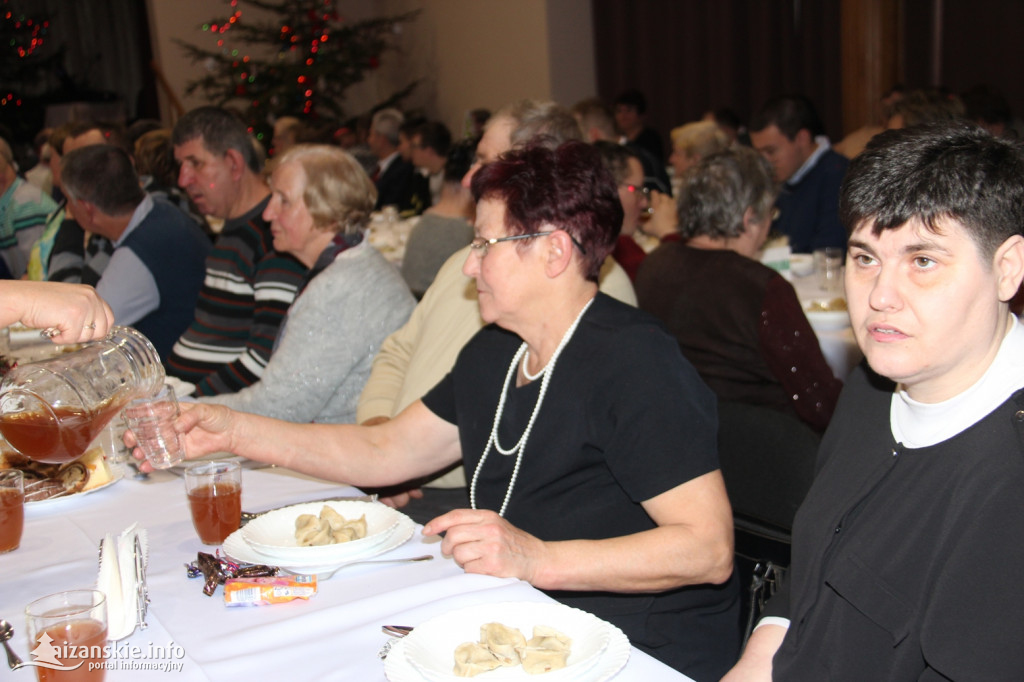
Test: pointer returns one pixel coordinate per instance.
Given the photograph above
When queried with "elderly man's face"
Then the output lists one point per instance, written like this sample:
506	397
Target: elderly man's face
496	141
208	178
925	306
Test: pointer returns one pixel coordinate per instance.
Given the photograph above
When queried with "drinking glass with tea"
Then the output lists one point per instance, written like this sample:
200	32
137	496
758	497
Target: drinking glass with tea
215	499
68	631
12	509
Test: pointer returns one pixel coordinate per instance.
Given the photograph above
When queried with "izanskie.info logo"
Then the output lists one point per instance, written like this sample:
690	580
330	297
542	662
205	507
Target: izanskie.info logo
108	656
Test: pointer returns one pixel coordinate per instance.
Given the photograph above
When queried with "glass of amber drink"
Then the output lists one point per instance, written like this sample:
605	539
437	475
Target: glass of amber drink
69	633
12	509
215	499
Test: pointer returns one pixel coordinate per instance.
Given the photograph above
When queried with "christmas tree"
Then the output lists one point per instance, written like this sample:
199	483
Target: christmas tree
27	58
315	56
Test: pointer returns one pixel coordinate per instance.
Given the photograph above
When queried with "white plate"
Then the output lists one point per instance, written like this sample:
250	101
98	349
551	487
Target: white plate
238	549
430	648
56	501
398	669
273	533
823	321
801	264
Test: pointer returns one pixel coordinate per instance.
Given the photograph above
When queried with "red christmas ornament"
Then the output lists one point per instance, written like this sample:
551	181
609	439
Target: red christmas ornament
240	90
374	62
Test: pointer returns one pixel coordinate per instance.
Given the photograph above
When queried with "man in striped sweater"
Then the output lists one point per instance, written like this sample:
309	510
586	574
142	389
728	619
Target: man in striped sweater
248	285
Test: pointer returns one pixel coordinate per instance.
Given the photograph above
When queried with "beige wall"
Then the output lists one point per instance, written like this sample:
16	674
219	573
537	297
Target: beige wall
466	53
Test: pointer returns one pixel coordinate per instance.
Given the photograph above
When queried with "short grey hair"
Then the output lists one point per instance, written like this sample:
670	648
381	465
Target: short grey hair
716	193
219	130
534	119
386	123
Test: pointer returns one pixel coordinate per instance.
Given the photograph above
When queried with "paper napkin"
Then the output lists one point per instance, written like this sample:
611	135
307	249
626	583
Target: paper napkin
122	578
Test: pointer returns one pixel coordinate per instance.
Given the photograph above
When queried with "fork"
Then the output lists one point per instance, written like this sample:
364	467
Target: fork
397	632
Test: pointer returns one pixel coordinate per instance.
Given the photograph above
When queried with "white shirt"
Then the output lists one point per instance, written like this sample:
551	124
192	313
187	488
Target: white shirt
823	145
918	425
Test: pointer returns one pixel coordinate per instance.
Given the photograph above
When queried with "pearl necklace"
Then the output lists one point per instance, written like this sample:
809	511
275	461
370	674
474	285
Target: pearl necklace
521	355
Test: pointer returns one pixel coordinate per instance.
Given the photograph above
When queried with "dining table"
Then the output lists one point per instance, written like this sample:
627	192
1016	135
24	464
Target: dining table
334	635
837	342
388	232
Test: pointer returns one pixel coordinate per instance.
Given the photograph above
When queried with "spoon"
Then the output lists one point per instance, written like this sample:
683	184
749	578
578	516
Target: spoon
425	557
324	575
6	632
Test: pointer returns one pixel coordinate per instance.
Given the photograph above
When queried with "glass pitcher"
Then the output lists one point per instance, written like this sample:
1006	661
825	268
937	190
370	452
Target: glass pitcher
50	411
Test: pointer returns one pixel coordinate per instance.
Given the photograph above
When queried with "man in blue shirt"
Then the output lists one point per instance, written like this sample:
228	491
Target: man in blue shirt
788	133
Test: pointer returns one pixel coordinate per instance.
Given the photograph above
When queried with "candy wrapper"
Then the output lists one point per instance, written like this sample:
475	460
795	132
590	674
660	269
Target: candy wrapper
217	569
267	591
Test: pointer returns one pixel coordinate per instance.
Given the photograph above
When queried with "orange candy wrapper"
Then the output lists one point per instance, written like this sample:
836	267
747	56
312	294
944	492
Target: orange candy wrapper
267	591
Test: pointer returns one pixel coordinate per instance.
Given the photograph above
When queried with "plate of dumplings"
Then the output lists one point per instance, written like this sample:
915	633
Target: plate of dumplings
319	537
510	641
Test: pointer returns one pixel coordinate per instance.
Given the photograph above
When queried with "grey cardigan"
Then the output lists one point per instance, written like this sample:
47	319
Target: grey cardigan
328	342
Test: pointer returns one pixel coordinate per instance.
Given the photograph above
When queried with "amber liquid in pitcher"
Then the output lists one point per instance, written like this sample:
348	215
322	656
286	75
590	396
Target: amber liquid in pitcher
55	438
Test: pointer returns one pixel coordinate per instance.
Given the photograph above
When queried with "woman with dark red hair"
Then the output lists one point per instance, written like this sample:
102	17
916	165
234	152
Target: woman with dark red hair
590	441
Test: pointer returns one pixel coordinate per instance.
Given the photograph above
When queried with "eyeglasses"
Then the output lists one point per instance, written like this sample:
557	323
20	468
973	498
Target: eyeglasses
646	191
480	245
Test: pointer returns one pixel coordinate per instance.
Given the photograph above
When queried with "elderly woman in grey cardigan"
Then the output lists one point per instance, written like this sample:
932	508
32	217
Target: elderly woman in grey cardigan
353	298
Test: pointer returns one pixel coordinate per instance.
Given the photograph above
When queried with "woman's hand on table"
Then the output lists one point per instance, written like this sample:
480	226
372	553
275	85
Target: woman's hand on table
480	541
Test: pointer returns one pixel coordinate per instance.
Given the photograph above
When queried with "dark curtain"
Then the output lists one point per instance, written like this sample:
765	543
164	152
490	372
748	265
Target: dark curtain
979	43
105	53
691	56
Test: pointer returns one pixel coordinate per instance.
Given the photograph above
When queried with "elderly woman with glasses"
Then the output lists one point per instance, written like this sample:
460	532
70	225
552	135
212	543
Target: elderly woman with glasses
588	439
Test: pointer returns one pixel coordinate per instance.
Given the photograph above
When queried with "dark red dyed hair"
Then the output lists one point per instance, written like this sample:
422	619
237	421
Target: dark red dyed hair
567	187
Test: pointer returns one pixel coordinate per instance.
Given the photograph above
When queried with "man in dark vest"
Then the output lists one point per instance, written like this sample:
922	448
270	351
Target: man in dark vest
158	264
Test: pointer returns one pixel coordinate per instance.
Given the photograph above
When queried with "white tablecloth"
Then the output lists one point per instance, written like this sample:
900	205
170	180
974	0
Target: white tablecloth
334	636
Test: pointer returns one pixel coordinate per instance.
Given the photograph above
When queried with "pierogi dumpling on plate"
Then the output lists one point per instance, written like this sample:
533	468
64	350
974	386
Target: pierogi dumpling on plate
503	646
547	650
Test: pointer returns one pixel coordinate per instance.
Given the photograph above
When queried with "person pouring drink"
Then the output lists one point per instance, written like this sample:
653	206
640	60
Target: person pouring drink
589	441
